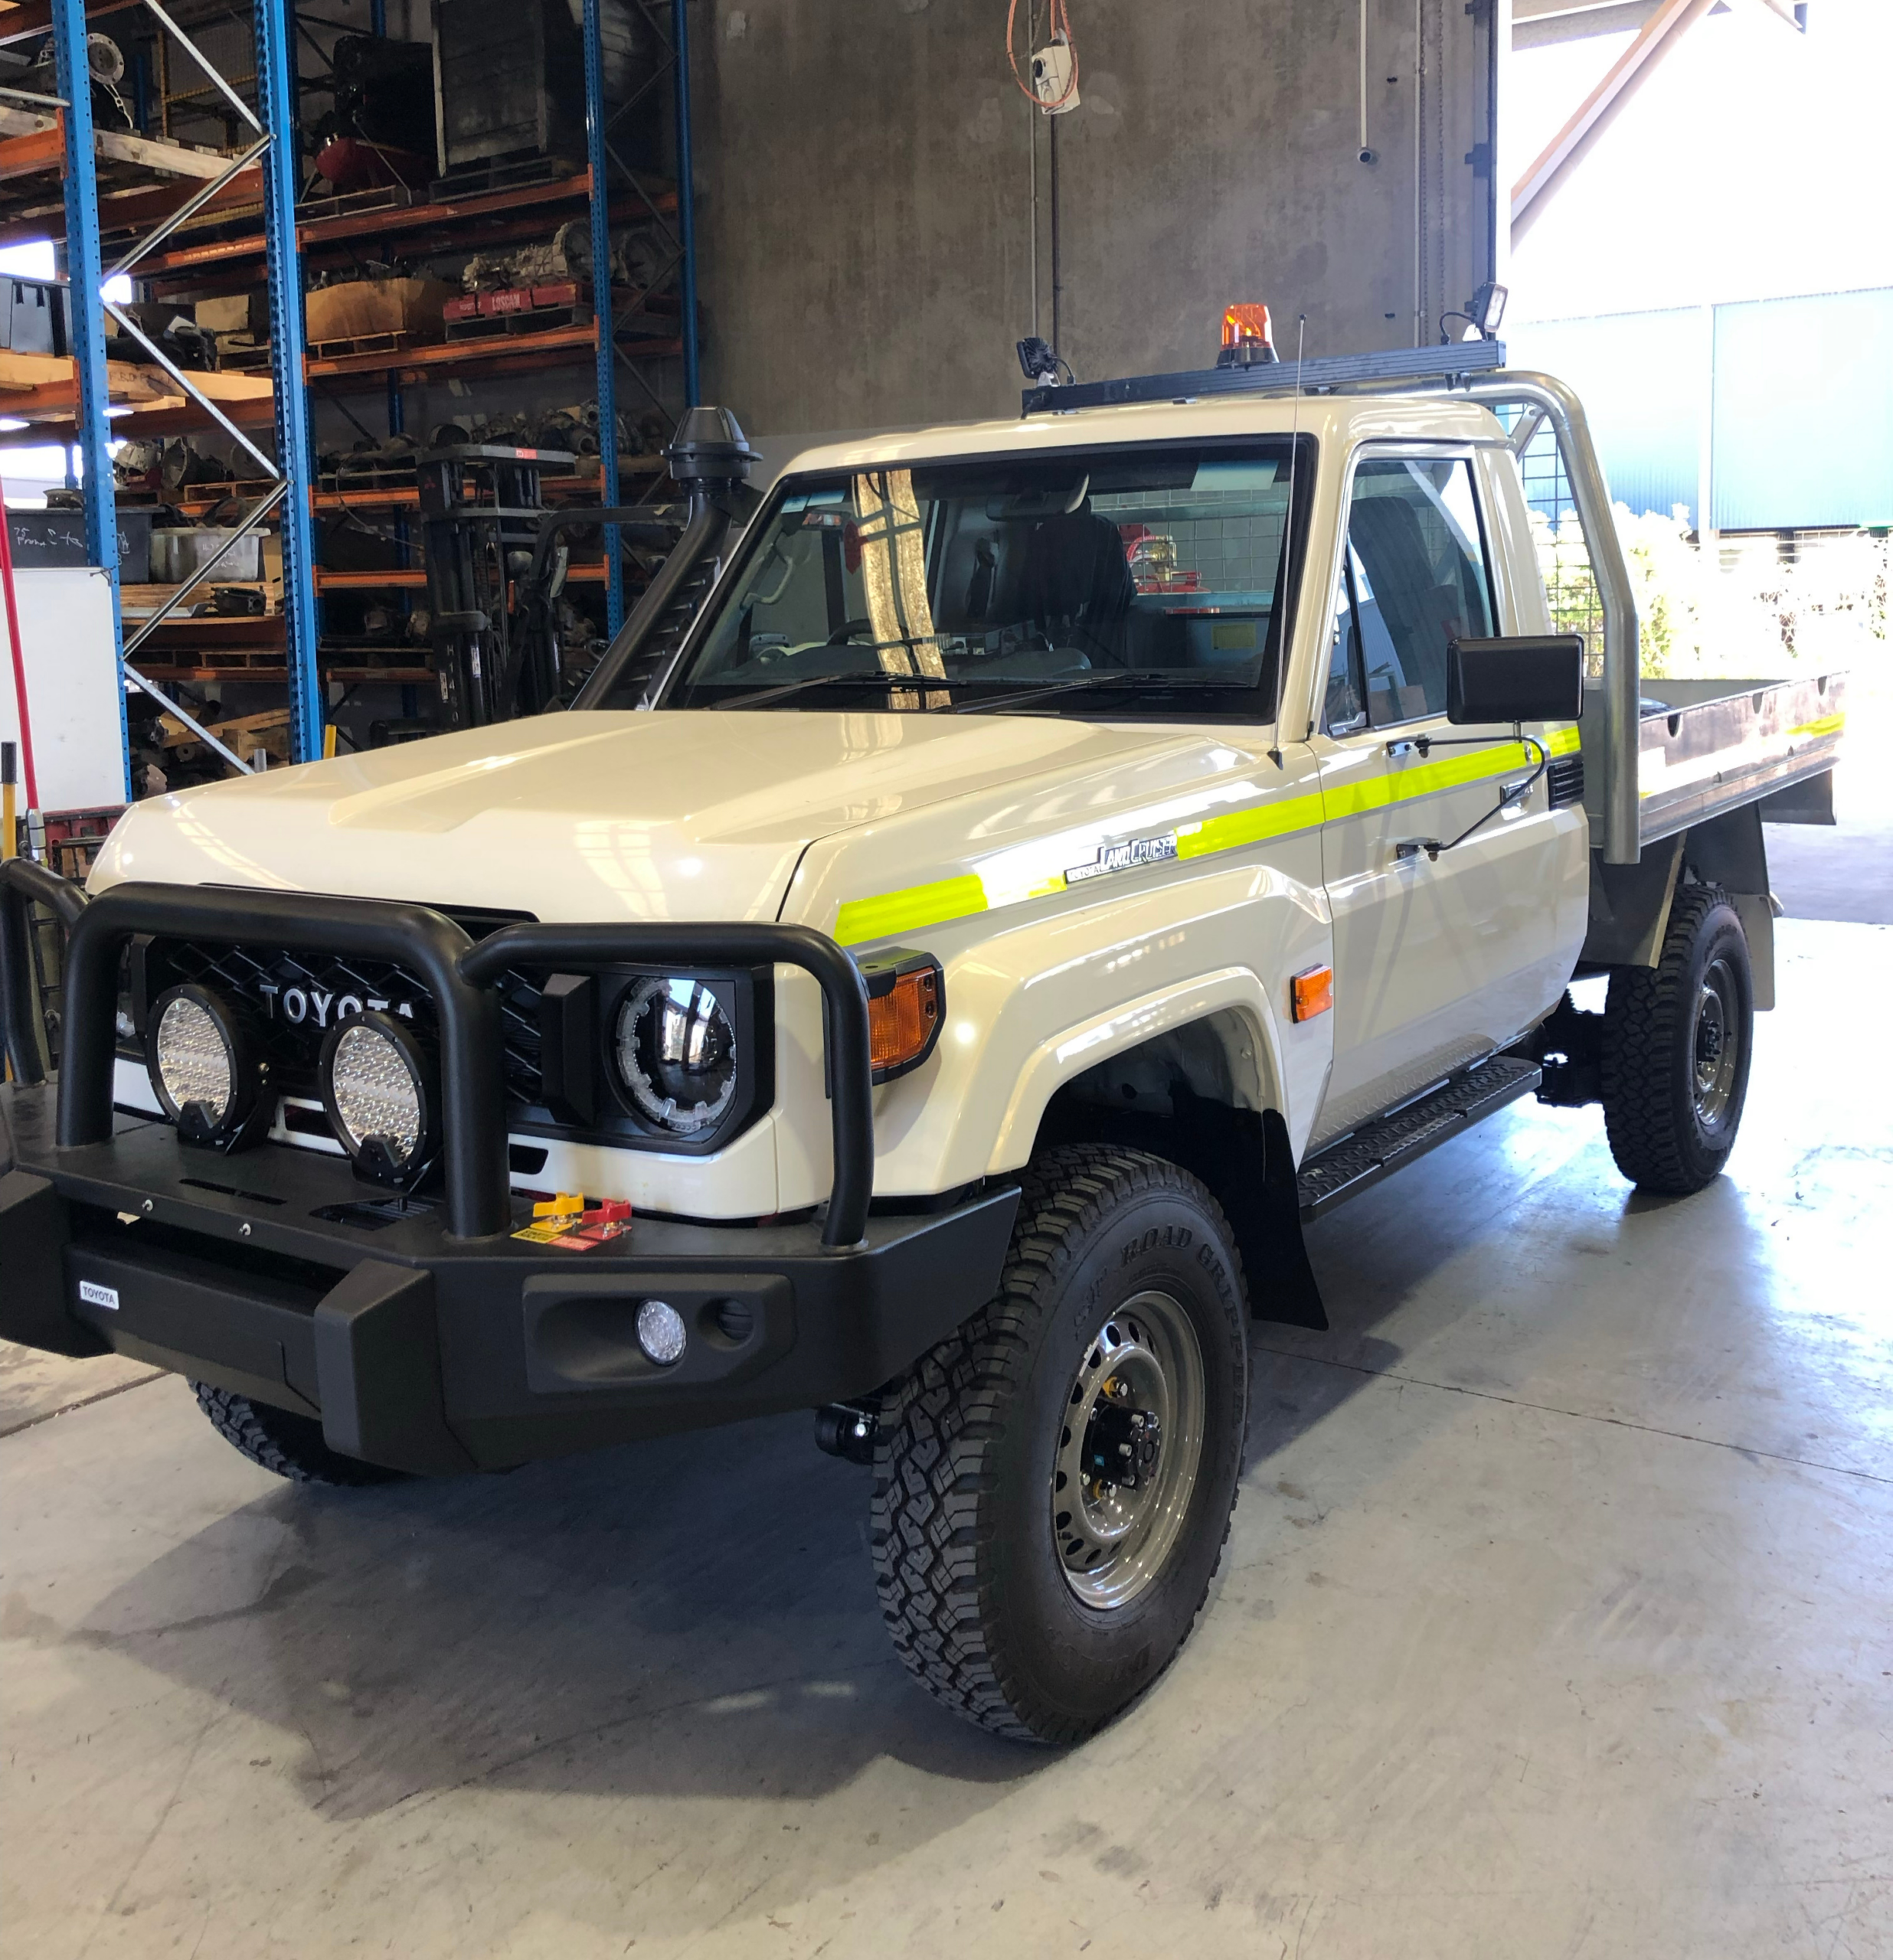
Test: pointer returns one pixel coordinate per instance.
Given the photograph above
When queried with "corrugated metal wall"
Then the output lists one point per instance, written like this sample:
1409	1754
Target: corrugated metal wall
1798	393
1648	437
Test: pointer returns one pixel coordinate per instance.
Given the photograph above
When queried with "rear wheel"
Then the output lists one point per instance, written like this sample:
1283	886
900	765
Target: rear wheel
1054	1482
279	1440
1677	1039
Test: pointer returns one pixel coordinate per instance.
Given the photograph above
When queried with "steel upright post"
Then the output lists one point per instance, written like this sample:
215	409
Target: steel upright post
85	274
597	155
686	197
276	88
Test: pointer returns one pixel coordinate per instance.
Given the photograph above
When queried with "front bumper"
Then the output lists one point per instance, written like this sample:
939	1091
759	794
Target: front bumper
431	1352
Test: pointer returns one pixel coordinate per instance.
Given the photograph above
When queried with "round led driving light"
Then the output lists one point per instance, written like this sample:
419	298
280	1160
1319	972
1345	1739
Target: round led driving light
675	1050
376	1084
193	1064
660	1332
206	1069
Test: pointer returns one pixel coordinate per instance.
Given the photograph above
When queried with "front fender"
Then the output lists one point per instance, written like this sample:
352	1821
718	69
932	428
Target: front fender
1032	1006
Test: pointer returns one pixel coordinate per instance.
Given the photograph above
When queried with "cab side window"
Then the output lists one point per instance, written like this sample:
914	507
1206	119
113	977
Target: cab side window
1416	563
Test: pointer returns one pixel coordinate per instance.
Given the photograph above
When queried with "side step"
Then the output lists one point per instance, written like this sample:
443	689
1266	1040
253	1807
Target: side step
1389	1143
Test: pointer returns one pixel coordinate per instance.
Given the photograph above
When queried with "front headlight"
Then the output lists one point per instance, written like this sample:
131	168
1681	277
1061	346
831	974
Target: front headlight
379	1087
675	1047
206	1067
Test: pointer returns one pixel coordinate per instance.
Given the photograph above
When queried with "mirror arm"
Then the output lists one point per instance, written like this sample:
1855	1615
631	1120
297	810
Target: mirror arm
1431	845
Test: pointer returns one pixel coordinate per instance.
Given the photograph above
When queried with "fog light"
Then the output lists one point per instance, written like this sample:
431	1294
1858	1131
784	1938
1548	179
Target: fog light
660	1332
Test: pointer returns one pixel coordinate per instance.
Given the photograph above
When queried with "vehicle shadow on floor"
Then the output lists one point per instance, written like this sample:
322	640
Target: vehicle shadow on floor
690	1617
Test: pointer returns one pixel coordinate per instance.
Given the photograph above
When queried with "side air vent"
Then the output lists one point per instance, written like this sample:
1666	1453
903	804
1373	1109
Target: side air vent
1565	781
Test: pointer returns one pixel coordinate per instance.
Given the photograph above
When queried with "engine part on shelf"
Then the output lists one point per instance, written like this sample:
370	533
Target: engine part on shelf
509	77
176	332
106	60
184	466
567	254
240	601
636	262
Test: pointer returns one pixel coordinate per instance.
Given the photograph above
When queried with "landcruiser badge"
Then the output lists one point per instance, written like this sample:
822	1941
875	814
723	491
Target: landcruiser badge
1124	857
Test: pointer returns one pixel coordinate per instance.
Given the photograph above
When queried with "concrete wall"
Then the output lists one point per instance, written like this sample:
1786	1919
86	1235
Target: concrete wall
865	200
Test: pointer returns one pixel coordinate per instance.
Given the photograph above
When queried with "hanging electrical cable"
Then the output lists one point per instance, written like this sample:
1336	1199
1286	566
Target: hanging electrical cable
1059	24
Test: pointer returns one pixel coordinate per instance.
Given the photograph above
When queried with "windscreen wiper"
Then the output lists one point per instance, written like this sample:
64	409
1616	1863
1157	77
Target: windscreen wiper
1104	677
1014	692
930	682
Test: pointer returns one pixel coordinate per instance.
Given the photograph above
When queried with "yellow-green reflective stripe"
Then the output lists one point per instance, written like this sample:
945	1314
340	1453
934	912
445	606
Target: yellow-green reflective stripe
1377	792
907	911
1828	724
1566	742
1254	825
948	899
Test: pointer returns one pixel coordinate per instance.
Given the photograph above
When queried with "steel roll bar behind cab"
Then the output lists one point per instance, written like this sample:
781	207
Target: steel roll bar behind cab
461	976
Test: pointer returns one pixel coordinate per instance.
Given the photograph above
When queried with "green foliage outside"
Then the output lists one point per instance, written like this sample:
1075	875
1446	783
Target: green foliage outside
1747	610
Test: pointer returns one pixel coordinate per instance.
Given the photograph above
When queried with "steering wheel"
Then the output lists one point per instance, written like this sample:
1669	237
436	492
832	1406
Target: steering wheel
842	635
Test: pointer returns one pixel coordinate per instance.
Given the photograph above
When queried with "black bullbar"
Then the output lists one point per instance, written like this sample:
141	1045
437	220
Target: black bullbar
423	1334
458	974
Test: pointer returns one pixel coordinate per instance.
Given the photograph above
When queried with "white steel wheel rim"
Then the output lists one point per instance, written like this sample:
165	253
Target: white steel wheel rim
1715	1044
1113	1540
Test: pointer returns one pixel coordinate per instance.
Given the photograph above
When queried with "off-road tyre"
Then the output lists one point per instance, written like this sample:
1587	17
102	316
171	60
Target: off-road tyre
1670	1134
971	1570
278	1439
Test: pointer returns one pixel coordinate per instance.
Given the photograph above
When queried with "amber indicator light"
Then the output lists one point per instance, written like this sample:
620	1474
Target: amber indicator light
900	1023
1314	992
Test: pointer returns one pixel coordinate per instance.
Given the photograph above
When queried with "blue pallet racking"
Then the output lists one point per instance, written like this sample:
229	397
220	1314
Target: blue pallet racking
291	500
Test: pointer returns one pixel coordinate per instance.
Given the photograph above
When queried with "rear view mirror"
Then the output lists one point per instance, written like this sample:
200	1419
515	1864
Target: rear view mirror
1525	678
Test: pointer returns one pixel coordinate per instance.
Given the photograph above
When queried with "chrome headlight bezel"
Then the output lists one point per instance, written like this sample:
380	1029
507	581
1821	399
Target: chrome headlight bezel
700	1013
371	1152
246	1107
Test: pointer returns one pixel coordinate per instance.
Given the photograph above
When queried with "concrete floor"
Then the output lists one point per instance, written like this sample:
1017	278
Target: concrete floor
1558	1620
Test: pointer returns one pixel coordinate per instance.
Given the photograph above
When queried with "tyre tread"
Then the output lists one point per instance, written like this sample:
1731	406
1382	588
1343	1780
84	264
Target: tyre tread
288	1444
1645	1017
939	1421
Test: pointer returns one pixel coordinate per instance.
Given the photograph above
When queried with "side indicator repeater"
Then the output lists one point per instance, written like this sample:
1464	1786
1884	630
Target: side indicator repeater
1314	993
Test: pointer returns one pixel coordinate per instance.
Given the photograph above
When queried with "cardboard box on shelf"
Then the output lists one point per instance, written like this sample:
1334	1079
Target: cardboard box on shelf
235	313
367	306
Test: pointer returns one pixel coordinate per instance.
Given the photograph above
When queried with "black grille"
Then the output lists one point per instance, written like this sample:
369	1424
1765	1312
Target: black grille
1565	781
298	997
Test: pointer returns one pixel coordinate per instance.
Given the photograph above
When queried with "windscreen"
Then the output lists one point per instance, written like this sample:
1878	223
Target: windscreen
1126	583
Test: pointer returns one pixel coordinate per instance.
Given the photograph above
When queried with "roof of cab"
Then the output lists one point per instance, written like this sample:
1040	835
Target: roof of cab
1347	418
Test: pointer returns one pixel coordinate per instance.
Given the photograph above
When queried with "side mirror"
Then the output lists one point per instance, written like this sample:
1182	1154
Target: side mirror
1525	678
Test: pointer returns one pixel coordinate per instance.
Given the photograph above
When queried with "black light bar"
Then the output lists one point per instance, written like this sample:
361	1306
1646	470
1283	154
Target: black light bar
1443	364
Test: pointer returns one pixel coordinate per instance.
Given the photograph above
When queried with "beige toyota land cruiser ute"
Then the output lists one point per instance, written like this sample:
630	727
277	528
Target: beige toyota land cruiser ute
1002	880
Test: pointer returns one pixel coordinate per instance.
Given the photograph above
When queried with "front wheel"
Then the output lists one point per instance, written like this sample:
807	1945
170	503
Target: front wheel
1677	1039
1054	1482
278	1440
